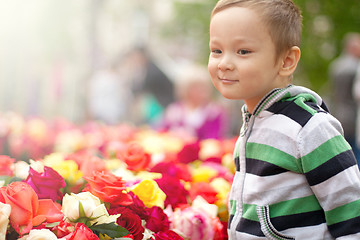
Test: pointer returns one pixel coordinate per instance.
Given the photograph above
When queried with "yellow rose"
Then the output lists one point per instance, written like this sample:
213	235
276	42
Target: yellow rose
222	187
203	174
68	169
149	192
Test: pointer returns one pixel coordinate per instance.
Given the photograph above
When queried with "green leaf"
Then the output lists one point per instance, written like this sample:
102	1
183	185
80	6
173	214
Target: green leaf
81	210
111	229
50	225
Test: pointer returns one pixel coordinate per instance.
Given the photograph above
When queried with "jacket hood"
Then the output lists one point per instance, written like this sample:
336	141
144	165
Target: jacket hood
292	92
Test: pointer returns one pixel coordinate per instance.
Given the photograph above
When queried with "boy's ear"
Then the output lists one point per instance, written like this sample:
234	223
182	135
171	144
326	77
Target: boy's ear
290	61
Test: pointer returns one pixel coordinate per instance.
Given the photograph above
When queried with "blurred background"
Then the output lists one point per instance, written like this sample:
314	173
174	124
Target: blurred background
51	50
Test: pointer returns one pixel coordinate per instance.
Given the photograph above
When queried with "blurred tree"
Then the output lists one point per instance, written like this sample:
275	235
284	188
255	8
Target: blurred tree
324	26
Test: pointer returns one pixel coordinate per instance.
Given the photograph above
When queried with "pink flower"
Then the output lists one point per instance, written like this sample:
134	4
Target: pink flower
176	194
193	224
26	209
167	235
177	170
46	184
6	163
158	220
189	153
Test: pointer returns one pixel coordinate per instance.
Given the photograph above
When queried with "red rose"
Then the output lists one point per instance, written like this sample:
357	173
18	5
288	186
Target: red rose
6	163
109	188
82	232
26	209
167	235
130	221
205	190
46	184
138	207
189	153
62	229
176	194
158	220
135	157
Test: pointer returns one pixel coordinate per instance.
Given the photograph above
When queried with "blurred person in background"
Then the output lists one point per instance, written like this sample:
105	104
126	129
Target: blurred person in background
342	73
195	113
152	89
109	95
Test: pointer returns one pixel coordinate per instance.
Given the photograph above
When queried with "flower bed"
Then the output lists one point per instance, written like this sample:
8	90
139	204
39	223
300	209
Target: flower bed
64	181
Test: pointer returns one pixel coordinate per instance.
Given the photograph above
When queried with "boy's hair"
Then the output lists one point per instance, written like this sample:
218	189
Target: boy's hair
282	17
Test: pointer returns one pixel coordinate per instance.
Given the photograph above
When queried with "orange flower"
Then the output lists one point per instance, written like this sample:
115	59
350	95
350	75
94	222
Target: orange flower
135	157
26	209
109	188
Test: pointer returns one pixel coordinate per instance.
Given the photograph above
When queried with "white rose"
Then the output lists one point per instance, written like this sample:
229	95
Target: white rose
40	234
5	210
85	205
21	169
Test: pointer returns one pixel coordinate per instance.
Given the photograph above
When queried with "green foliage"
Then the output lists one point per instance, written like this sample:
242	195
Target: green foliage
110	229
324	26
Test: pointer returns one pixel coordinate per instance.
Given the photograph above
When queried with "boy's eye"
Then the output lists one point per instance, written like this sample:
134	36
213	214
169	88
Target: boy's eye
217	51
243	51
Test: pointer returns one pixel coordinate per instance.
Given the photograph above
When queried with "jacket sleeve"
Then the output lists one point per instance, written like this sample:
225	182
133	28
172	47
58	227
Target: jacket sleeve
332	173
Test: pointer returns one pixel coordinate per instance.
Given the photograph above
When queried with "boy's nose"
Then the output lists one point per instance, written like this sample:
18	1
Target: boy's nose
226	64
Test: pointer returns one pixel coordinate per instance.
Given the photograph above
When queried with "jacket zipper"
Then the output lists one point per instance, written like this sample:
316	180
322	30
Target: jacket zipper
245	127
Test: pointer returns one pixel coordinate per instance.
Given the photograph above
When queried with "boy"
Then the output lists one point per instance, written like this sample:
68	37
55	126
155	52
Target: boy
296	177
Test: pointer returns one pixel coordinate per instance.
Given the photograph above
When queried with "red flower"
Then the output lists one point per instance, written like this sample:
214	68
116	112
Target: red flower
62	229
46	184
189	153
138	207
5	165
167	235
205	190
158	220
135	157
130	221
82	232
176	194
177	170
109	188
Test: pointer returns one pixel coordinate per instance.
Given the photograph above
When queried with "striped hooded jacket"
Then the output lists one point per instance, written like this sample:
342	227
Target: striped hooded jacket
296	176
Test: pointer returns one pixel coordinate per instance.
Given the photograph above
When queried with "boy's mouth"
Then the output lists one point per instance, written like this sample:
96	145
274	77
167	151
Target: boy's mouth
228	81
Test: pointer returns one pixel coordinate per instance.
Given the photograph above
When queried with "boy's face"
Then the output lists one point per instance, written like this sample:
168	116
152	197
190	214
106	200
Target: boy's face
242	60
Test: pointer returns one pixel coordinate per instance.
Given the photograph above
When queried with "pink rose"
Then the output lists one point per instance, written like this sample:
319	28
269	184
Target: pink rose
177	170
26	209
6	163
176	194
167	235
193	224
46	184
158	220
135	157
189	153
